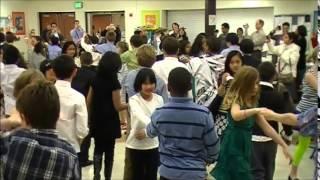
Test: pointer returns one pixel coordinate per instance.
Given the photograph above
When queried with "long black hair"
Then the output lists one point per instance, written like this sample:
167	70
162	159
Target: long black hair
66	45
109	65
197	45
228	60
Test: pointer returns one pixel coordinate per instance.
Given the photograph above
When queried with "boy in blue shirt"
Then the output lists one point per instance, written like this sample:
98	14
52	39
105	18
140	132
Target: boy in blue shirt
187	137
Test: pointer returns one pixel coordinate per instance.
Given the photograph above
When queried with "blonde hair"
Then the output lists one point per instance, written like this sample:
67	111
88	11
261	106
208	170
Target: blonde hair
146	55
123	46
241	87
27	77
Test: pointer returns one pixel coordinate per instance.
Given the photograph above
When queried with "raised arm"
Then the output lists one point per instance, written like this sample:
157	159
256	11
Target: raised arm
239	115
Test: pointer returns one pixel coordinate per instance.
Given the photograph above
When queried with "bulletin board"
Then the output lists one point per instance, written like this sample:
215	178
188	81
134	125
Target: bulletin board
295	21
150	19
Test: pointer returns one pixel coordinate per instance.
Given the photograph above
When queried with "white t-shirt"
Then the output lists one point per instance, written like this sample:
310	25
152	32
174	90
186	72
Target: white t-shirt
164	67
140	114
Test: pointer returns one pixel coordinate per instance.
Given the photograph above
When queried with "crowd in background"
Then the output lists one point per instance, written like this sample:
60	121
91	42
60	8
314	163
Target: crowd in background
182	104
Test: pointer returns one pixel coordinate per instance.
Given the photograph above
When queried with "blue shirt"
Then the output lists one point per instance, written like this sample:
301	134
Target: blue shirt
37	154
76	35
54	51
128	85
103	48
225	52
187	139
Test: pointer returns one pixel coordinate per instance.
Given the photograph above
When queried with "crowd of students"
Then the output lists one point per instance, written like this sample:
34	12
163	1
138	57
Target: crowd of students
212	101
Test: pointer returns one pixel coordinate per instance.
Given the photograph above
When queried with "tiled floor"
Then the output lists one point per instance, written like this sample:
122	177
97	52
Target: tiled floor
282	165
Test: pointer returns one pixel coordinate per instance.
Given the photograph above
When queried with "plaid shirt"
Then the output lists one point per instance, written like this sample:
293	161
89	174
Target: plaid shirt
37	154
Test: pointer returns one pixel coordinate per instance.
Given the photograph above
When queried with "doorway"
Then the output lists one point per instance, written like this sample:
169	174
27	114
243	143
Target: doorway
98	21
64	21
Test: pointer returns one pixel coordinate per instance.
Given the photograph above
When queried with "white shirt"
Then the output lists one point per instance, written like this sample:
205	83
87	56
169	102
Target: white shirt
8	75
164	67
140	112
287	54
73	121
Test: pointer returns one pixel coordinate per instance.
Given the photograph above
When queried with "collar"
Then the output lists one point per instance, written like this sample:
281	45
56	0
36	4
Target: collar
264	83
52	132
63	83
170	58
180	99
10	66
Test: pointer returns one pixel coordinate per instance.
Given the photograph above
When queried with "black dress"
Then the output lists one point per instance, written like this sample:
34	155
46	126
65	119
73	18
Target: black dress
104	120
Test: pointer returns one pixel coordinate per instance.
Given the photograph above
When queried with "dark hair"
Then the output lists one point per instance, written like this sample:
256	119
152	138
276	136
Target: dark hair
10	37
86	58
246	46
109	65
66	46
214	44
111	36
53	23
39	103
11	55
240	29
2	37
232	38
54	40
103	33
225	25
182	46
63	66
45	66
228	60
286	24
144	39
302	30
267	71
39	48
170	46
136	41
261	22
292	36
175	24
180	81
196	47
143	76
76	21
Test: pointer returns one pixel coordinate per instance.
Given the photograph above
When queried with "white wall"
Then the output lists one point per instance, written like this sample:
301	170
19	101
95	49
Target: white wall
33	7
236	17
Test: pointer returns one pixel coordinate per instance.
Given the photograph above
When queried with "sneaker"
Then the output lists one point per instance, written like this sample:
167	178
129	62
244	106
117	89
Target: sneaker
287	139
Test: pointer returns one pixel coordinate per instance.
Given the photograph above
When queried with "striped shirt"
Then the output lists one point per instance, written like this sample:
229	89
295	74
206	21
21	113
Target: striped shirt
37	154
309	95
187	139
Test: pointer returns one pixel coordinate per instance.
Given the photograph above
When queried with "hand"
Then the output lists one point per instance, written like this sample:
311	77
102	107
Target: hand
224	77
286	153
268	114
268	39
140	134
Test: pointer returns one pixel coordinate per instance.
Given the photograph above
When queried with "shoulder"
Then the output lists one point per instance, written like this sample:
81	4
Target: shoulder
77	95
158	98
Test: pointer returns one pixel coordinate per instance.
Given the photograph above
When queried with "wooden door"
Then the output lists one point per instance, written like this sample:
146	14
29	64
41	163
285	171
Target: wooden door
100	22
64	21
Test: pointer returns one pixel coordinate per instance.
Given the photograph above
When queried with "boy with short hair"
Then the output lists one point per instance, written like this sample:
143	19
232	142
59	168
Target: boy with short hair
109	45
8	75
37	152
129	57
54	49
73	121
187	136
162	68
